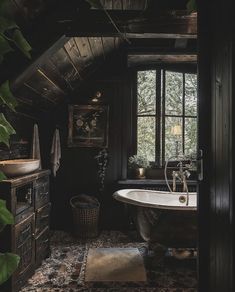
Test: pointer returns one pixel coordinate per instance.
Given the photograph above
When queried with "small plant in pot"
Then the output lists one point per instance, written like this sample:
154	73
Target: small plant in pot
138	164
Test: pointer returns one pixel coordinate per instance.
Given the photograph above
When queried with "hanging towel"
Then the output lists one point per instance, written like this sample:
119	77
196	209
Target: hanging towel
35	146
55	152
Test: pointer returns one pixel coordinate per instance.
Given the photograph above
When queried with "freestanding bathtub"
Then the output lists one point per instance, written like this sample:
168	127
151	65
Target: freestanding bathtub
163	217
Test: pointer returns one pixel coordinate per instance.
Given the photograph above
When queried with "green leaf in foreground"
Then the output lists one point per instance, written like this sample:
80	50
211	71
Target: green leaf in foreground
8	264
6	217
7	24
21	43
5	130
191	6
4	47
6	96
2	176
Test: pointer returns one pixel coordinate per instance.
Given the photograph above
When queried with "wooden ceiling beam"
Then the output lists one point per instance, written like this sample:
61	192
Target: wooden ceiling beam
96	24
160	51
129	35
162	26
138	60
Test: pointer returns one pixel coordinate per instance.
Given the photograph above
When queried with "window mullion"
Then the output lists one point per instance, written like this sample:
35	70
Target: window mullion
158	118
163	114
183	125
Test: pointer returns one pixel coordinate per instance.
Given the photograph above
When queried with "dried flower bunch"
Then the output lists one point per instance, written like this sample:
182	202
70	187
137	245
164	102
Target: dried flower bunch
138	161
102	162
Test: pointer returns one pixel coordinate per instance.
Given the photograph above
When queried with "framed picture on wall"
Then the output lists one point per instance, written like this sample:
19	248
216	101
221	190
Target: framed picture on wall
88	126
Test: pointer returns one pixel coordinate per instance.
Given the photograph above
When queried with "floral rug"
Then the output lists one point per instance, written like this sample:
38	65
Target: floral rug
64	270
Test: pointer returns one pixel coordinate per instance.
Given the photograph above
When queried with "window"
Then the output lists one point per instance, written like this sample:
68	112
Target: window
166	114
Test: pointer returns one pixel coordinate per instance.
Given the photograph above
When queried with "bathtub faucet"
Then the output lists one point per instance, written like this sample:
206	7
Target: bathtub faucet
182	175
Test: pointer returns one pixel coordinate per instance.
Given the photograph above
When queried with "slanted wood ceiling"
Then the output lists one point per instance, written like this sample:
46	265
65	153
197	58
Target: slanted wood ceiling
125	4
60	69
154	37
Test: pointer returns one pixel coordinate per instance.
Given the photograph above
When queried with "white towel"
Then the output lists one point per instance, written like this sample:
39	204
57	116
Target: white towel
55	152
35	146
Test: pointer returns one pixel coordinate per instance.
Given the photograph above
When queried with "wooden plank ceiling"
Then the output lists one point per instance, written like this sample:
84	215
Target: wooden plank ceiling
61	69
125	4
155	35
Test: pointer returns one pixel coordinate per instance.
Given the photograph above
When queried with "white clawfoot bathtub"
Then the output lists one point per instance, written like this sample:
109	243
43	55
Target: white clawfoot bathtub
157	199
163	217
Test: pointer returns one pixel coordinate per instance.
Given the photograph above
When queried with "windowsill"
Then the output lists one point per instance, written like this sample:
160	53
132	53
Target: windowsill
156	175
151	182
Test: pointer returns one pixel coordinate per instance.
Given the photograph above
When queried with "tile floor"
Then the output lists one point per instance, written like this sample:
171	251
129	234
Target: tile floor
64	270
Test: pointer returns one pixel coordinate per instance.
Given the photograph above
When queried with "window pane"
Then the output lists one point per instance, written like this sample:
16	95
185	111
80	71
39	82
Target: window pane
146	91
173	137
146	137
174	93
191	94
190	136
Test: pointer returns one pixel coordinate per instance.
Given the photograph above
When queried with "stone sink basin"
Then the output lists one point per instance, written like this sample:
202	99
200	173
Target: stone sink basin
19	167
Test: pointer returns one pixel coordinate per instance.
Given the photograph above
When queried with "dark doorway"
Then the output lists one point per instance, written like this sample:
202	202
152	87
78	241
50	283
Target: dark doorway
216	224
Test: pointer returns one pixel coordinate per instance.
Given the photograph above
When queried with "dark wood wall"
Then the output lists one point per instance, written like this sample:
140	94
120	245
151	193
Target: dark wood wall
216	107
20	143
78	171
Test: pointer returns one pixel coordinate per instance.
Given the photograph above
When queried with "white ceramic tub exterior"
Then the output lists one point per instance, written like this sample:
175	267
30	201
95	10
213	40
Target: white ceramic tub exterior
157	199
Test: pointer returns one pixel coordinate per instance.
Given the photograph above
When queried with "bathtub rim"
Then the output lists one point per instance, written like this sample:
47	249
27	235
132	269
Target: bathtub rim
134	202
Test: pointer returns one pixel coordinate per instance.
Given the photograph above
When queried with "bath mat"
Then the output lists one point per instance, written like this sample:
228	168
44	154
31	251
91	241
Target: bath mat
115	264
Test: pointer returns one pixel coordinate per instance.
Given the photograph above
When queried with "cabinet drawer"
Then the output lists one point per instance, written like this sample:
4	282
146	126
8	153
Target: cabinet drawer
42	218
42	246
24	247
24	231
24	196
42	181
41	192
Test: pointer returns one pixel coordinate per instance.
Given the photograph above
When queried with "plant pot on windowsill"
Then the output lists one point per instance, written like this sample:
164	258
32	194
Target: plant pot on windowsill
140	173
138	165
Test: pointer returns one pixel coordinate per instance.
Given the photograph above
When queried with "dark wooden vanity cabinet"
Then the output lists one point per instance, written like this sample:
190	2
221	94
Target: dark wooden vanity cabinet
27	197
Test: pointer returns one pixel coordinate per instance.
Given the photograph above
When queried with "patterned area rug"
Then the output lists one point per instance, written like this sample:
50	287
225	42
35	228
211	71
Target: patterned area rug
64	270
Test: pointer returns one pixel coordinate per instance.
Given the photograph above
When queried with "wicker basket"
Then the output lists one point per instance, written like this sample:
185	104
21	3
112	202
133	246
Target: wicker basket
85	215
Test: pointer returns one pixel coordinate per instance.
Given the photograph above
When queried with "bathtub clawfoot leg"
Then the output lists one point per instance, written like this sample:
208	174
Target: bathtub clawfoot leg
156	254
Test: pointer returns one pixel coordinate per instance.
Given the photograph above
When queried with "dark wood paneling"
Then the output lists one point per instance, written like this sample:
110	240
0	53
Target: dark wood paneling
97	48
138	60
41	84
78	171
66	68
31	97
73	53
124	4
53	74
117	4
85	52
23	122
128	22
108	44
216	114
221	166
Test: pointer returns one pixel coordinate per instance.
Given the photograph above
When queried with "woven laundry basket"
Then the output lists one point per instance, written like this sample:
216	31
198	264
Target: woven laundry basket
85	215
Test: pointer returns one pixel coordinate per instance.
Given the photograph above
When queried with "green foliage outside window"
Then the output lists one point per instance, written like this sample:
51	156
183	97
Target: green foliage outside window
180	109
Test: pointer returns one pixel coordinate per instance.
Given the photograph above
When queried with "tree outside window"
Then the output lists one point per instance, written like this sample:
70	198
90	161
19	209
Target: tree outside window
166	101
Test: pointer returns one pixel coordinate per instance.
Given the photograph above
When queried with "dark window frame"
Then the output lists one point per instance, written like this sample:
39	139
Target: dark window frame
160	115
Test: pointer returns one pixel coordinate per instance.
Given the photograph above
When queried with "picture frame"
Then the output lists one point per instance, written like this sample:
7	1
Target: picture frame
88	126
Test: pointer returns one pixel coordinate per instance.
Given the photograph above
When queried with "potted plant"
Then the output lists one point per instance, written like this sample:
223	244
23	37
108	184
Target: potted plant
138	164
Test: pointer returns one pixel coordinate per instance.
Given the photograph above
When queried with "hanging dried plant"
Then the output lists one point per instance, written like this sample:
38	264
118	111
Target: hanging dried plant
102	163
